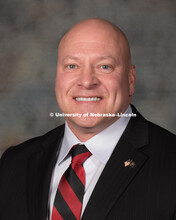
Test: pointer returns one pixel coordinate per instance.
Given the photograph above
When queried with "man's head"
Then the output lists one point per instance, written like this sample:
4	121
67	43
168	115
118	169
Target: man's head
94	75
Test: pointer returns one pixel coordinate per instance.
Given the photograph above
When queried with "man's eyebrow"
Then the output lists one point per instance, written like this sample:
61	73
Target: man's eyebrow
116	60
71	58
105	57
101	58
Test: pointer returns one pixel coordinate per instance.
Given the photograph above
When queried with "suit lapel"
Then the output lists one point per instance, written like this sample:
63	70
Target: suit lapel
116	177
40	168
34	178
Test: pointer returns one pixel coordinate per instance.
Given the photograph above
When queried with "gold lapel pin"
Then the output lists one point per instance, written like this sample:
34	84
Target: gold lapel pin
130	163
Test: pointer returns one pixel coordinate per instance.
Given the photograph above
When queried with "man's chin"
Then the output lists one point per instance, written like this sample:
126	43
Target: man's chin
83	122
89	124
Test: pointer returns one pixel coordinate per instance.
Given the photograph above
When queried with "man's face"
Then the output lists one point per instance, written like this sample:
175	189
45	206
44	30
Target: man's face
93	76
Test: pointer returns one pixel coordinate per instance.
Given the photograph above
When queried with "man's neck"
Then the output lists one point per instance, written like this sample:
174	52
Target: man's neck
85	133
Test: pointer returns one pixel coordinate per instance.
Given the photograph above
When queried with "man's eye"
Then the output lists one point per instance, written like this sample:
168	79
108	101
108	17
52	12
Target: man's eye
105	67
71	66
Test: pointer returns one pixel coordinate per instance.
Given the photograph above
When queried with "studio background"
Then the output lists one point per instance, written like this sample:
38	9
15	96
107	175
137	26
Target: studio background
29	35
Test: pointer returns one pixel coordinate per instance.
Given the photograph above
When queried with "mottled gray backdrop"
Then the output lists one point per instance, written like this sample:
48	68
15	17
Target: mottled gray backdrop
29	34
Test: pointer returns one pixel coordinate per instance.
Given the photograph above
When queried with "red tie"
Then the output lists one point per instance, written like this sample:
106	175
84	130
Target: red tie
70	192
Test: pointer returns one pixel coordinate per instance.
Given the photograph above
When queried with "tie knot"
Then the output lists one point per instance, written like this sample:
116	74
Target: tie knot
79	153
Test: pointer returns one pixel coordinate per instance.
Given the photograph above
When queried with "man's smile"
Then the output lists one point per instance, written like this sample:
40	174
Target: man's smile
87	99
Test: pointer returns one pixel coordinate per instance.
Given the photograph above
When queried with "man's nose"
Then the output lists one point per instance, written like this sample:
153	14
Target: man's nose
88	78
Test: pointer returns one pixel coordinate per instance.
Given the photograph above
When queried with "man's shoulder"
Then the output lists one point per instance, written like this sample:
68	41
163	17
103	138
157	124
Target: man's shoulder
142	132
158	130
161	136
33	145
152	127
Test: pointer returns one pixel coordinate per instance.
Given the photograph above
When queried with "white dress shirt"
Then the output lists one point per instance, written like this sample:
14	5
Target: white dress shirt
101	146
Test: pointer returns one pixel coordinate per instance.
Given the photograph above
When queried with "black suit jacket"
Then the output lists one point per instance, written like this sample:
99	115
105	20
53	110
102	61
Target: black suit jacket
145	191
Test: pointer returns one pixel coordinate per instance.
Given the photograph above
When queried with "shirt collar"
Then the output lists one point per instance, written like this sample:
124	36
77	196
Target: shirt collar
100	145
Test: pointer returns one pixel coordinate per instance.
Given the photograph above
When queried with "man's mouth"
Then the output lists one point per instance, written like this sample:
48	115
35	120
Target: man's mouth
88	99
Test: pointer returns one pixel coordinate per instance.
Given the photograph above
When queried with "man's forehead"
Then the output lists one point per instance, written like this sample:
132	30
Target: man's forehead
96	33
96	39
85	45
90	42
95	51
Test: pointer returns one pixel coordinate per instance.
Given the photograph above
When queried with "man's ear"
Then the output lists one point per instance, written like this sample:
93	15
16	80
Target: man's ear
132	79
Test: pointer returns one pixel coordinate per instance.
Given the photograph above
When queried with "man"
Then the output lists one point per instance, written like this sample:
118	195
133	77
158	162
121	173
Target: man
125	167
